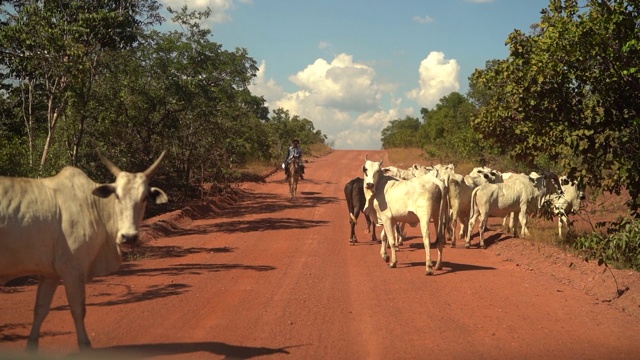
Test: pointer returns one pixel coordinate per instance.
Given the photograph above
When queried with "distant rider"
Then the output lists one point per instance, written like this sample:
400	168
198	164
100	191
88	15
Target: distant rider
294	151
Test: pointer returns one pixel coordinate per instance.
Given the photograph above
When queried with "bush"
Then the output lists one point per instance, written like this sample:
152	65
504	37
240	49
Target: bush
620	246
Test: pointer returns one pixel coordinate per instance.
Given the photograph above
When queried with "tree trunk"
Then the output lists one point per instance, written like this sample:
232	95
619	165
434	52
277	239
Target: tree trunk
27	113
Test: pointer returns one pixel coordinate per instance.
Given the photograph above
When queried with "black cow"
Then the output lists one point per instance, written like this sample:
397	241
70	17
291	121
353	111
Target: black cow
354	193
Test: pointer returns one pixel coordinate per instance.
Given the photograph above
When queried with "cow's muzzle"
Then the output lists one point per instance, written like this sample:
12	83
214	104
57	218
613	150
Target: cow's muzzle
130	239
369	186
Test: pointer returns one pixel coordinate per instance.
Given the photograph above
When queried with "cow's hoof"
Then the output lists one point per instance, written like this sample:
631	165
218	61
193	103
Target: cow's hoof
429	272
453	244
392	265
385	257
467	245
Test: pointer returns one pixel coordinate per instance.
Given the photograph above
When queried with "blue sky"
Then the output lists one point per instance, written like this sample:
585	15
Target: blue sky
352	66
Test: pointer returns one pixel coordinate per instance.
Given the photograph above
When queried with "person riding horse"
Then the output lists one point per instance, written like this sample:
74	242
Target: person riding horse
293	152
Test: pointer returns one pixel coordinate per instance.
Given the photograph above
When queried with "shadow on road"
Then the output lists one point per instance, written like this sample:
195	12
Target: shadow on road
228	351
450	267
260	225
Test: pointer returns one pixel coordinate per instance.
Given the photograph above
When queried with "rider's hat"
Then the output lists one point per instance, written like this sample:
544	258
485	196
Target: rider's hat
295	141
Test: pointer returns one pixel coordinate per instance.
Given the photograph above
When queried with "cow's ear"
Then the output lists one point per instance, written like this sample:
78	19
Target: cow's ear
158	195
364	170
565	181
104	191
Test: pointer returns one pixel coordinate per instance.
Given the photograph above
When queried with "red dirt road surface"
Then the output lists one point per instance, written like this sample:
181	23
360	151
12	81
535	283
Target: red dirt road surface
260	276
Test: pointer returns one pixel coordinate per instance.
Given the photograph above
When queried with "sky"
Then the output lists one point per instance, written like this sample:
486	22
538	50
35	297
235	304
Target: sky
353	66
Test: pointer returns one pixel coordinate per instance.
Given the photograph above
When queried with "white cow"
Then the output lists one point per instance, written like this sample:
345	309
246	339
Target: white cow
398	173
547	188
67	227
518	196
460	189
414	201
567	203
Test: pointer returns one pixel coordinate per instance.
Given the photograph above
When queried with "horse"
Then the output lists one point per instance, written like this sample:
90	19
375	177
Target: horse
294	176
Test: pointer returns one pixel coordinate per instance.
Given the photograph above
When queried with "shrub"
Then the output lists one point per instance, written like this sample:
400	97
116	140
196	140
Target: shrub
619	246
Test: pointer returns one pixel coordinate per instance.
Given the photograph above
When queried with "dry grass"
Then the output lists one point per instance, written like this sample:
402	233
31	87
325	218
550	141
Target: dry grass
318	150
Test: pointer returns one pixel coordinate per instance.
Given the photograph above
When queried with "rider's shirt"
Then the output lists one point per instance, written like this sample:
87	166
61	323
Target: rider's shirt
294	152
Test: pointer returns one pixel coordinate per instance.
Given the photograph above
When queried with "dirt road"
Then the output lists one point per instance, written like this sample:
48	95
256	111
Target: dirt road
272	278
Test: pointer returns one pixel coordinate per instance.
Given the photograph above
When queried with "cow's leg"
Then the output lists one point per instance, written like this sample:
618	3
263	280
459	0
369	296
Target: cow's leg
424	226
483	225
453	224
353	220
371	225
383	245
440	238
74	287
472	224
46	289
523	223
399	234
352	237
562	219
389	230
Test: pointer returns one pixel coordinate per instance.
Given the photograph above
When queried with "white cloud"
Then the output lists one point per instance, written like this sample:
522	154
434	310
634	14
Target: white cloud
341	97
268	88
219	8
423	20
437	79
341	84
324	45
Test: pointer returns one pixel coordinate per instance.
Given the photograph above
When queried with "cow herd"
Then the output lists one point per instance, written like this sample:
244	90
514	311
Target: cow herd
67	228
390	197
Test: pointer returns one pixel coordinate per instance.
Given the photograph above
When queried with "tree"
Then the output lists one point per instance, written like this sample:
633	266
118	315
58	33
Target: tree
569	93
50	51
401	133
285	127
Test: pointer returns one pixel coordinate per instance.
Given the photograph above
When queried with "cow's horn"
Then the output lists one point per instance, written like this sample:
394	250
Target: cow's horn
152	169
114	169
366	157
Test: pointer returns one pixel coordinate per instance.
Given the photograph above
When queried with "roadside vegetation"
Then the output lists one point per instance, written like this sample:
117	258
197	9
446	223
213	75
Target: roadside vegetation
566	99
78	76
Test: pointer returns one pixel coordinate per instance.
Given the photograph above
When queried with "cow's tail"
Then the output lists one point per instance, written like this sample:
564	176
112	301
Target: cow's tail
444	213
473	201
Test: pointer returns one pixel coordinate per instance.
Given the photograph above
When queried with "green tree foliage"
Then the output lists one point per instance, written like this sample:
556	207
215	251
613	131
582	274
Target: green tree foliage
50	51
183	92
283	128
569	92
446	130
95	75
401	133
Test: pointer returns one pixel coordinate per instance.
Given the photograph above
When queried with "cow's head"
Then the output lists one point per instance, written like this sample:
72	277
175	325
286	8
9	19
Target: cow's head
132	191
371	170
573	184
488	174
